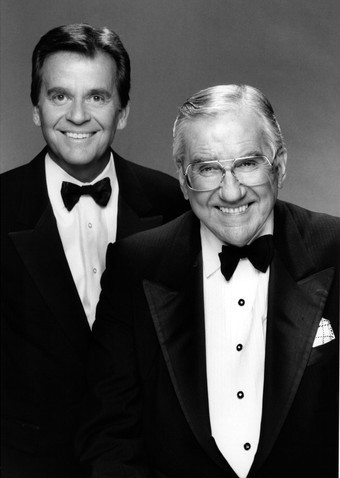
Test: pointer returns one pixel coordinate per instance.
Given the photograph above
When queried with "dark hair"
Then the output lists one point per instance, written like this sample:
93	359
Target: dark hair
88	41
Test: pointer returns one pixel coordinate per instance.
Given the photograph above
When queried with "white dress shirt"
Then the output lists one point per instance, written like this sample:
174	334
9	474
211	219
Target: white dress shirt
85	231
235	325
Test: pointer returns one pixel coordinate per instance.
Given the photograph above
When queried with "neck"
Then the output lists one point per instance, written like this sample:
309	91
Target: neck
83	172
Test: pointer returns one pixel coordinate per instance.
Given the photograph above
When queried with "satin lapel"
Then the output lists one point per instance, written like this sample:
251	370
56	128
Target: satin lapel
296	302
37	240
43	255
178	315
133	206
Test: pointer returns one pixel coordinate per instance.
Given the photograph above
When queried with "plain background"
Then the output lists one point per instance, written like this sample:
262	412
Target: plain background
289	49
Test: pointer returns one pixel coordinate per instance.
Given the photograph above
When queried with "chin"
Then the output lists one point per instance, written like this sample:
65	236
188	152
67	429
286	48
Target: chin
238	240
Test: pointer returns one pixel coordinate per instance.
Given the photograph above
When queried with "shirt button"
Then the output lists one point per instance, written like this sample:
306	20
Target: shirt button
239	347
247	446
241	302
240	394
90	225
95	270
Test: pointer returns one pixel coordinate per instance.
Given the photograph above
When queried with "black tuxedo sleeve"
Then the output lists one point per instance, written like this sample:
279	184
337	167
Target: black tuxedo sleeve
111	438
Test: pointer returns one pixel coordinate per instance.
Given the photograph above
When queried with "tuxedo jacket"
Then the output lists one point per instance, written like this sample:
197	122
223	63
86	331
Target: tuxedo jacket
45	333
149	416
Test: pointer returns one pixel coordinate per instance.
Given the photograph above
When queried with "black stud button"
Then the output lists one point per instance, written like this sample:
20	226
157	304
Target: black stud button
241	302
239	347
247	446
240	394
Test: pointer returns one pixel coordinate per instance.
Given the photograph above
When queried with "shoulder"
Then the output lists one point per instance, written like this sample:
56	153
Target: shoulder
11	188
152	239
151	246
13	175
162	190
24	183
19	174
151	179
319	232
309	222
143	172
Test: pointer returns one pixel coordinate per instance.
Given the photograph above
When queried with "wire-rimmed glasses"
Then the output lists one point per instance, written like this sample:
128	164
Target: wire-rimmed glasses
208	175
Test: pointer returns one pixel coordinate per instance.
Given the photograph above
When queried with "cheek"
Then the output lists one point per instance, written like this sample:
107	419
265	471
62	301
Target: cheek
108	120
267	193
48	118
266	203
199	202
273	181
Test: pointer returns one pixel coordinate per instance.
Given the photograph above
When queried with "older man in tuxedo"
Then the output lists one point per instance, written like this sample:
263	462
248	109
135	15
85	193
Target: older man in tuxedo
58	213
215	345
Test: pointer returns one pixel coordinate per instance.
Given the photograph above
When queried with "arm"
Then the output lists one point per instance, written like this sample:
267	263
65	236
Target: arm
111	438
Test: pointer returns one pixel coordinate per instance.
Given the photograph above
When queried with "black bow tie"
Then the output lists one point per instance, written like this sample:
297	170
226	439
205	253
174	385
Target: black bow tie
100	191
259	252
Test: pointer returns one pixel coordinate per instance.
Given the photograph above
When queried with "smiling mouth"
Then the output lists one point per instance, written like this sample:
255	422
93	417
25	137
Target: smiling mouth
233	210
71	135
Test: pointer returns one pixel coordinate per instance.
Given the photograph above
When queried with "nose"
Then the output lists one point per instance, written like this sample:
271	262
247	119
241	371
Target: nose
77	112
230	189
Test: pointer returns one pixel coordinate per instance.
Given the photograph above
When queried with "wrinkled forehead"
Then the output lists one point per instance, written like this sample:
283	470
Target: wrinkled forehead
231	133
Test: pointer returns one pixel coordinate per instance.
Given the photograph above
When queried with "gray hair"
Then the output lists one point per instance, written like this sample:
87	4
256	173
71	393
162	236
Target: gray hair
221	99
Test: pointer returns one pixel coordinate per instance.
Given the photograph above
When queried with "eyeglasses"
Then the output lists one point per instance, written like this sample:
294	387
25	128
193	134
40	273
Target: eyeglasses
208	175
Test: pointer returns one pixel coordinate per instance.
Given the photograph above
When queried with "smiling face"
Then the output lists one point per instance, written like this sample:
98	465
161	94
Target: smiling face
79	111
235	213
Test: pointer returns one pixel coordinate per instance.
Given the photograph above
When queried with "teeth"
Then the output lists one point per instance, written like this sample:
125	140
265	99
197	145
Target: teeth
234	210
78	135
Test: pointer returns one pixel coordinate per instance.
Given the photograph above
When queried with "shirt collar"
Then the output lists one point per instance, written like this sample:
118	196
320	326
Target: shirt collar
211	247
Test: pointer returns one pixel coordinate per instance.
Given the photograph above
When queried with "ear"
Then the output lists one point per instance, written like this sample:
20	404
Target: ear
183	183
281	167
123	116
36	116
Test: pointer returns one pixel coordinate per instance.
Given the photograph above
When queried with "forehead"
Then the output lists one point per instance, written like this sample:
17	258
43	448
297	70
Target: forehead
70	67
233	133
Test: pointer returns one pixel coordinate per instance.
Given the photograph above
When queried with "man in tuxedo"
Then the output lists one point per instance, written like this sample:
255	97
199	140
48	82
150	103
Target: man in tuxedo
215	344
59	212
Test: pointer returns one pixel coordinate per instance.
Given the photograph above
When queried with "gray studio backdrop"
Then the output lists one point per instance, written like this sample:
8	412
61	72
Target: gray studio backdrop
287	48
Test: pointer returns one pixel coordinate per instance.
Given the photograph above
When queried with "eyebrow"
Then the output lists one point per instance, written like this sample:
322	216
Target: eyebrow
202	159
95	91
254	152
100	91
56	90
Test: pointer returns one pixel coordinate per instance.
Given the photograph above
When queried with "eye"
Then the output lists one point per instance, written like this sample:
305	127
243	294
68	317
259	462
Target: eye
59	99
249	163
205	168
97	99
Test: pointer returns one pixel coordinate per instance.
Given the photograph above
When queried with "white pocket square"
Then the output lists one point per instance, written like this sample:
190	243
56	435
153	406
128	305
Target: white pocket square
324	334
